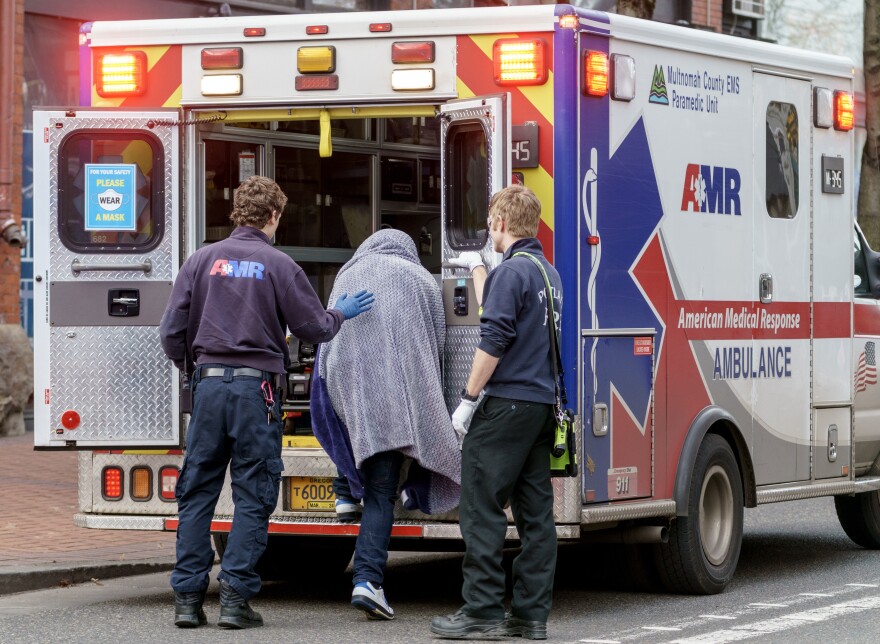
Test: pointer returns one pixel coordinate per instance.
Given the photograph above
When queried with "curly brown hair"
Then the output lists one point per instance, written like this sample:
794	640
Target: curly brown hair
255	200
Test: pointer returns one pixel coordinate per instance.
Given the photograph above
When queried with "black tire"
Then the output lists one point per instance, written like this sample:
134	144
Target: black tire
290	558
859	517
703	549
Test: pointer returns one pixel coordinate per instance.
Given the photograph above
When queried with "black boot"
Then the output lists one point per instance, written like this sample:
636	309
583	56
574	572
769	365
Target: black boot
235	612
188	612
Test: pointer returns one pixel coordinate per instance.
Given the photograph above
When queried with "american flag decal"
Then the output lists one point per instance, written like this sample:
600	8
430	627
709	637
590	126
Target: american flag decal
866	370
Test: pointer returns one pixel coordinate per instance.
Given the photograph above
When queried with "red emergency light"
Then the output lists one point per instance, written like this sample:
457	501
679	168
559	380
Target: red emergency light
122	74
844	111
222	58
412	52
380	27
251	32
519	62
317	30
595	73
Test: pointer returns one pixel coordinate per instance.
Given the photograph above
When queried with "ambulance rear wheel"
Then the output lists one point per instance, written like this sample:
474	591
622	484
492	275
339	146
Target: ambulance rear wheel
859	517
703	549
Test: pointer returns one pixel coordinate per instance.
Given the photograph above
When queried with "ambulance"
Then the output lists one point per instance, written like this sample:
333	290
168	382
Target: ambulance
721	316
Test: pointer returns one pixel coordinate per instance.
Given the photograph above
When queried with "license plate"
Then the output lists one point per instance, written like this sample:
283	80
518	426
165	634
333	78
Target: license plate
313	493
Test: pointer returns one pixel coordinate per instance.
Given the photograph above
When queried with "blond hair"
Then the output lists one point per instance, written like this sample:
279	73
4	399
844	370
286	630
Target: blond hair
519	207
255	200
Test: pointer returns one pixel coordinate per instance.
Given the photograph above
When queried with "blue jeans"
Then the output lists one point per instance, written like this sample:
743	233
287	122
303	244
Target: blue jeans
381	474
229	428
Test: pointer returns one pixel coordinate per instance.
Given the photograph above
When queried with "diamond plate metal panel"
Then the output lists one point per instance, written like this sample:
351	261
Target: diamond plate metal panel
458	355
84	484
118	523
116	378
61	256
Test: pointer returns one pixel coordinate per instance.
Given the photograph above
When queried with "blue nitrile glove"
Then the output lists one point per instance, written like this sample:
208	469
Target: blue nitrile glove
355	305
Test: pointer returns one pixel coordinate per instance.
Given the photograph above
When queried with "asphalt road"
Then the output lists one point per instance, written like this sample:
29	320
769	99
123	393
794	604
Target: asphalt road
799	580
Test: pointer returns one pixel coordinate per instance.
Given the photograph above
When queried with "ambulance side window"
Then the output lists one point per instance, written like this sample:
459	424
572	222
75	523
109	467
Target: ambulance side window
126	212
467	189
783	173
861	283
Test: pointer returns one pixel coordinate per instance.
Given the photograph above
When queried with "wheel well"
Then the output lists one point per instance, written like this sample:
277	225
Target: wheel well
713	420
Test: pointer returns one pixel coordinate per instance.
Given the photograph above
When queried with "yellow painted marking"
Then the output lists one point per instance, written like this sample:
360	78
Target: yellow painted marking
100	101
153	53
299	441
309	114
541	183
139	152
174	99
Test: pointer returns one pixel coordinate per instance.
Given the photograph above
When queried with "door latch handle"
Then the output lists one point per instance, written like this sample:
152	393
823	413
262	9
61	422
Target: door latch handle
766	288
600	419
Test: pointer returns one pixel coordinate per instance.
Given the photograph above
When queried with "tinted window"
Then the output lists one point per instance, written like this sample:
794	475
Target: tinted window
111	149
467	193
782	176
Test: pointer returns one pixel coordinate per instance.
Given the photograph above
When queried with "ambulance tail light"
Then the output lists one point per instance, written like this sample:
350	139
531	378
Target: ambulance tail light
317	30
254	32
844	111
412	52
595	73
519	62
111	483
141	483
222	58
168	482
221	85
119	75
380	27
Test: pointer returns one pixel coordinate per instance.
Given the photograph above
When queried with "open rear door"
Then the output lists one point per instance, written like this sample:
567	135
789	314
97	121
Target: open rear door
106	250
475	163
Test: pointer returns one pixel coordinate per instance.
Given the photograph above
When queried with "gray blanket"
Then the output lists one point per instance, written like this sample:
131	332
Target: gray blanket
383	373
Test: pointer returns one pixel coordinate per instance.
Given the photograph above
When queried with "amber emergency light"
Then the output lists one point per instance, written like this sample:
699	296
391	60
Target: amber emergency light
316	60
844	111
141	483
519	62
122	74
595	73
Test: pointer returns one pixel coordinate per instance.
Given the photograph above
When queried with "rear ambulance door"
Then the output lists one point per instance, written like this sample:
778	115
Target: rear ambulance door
474	164
106	252
779	364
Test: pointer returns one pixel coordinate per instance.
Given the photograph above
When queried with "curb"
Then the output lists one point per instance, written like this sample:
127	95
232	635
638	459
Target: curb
21	579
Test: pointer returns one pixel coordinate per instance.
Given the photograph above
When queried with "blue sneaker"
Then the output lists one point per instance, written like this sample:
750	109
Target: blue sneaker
347	510
371	600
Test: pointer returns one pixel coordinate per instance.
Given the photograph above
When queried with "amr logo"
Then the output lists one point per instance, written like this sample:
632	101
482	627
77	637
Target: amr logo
711	189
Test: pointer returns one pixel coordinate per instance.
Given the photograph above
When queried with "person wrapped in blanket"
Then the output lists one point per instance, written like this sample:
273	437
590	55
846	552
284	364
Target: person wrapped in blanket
377	404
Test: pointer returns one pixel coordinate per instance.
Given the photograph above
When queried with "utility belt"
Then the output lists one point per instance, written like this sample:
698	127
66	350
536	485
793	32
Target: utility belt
273	385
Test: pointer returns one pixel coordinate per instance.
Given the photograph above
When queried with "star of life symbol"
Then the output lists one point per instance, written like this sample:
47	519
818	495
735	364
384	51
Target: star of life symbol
698	185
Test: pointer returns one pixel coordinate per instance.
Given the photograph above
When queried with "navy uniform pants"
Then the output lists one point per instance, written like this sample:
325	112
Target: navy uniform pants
229	428
506	457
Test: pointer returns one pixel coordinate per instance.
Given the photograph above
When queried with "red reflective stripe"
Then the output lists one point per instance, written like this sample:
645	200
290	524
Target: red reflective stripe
831	320
866	317
338	529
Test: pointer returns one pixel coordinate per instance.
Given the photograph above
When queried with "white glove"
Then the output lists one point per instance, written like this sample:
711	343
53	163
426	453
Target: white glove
468	259
461	419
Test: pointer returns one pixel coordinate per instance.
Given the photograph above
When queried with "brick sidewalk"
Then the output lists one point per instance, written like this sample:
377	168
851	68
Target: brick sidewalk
38	498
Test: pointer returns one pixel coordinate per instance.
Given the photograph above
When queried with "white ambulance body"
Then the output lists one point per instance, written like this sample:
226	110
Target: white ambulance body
697	194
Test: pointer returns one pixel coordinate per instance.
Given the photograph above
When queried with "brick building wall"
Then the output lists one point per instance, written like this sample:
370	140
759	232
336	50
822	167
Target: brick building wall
10	258
707	13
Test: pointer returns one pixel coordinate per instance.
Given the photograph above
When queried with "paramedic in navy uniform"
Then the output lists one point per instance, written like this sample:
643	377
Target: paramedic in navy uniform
508	435
227	315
